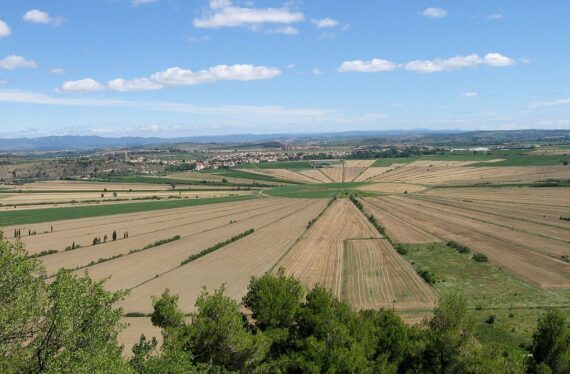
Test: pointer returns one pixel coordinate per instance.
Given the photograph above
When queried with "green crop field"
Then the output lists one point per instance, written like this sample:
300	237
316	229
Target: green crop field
489	290
30	216
318	191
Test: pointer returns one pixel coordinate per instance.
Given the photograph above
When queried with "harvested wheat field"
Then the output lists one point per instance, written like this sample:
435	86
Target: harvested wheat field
233	264
396	226
534	259
318	257
358	163
196	233
375	276
335	174
68	197
211	177
351	173
371	173
89	186
155	223
392	188
316	175
285	174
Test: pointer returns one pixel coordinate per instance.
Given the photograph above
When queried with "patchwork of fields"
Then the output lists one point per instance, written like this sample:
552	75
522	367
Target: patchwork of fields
193	236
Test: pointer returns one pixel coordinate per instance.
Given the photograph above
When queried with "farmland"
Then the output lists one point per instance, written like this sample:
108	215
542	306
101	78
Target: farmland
151	235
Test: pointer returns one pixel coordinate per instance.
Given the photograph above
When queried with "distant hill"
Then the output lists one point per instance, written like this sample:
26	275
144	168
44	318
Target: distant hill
423	136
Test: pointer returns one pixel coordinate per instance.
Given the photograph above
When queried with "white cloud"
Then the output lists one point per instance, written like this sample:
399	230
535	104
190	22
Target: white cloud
543	104
291	66
142	2
16	62
57	71
372	66
434	12
286	30
458	62
497	59
223	13
495	17
83	85
470	94
4	29
176	76
325	22
316	71
3	81
39	16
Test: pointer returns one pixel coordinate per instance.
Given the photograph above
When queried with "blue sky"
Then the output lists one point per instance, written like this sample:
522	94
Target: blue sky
180	68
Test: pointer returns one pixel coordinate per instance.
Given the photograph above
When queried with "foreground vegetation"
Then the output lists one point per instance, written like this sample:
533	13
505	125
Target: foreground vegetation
70	325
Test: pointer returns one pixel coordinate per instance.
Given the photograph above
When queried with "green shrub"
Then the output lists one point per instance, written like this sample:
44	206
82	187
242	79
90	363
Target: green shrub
458	247
479	257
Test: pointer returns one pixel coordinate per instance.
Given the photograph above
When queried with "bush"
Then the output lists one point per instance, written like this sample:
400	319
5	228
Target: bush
491	319
401	249
458	247
427	275
479	257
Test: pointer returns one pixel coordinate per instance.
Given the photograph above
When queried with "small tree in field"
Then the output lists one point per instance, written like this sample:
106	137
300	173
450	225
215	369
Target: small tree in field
114	235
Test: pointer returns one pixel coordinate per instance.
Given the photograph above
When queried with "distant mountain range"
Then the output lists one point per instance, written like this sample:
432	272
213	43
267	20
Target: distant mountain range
84	143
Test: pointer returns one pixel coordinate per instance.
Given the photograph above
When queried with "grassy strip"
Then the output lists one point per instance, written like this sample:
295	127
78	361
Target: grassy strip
66	213
152	245
215	247
320	191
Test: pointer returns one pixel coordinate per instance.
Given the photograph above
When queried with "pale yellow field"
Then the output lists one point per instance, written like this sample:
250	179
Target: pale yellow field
283	174
316	175
67	197
372	172
375	276
335	174
91	186
358	163
318	256
351	173
392	188
233	264
135	326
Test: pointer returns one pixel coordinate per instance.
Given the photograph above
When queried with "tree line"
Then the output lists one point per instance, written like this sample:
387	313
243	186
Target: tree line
70	325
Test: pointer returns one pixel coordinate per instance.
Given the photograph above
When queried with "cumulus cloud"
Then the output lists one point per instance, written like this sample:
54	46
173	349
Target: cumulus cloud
372	66
325	22
82	85
459	62
497	59
17	62
223	13
39	16
176	76
434	12
4	29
